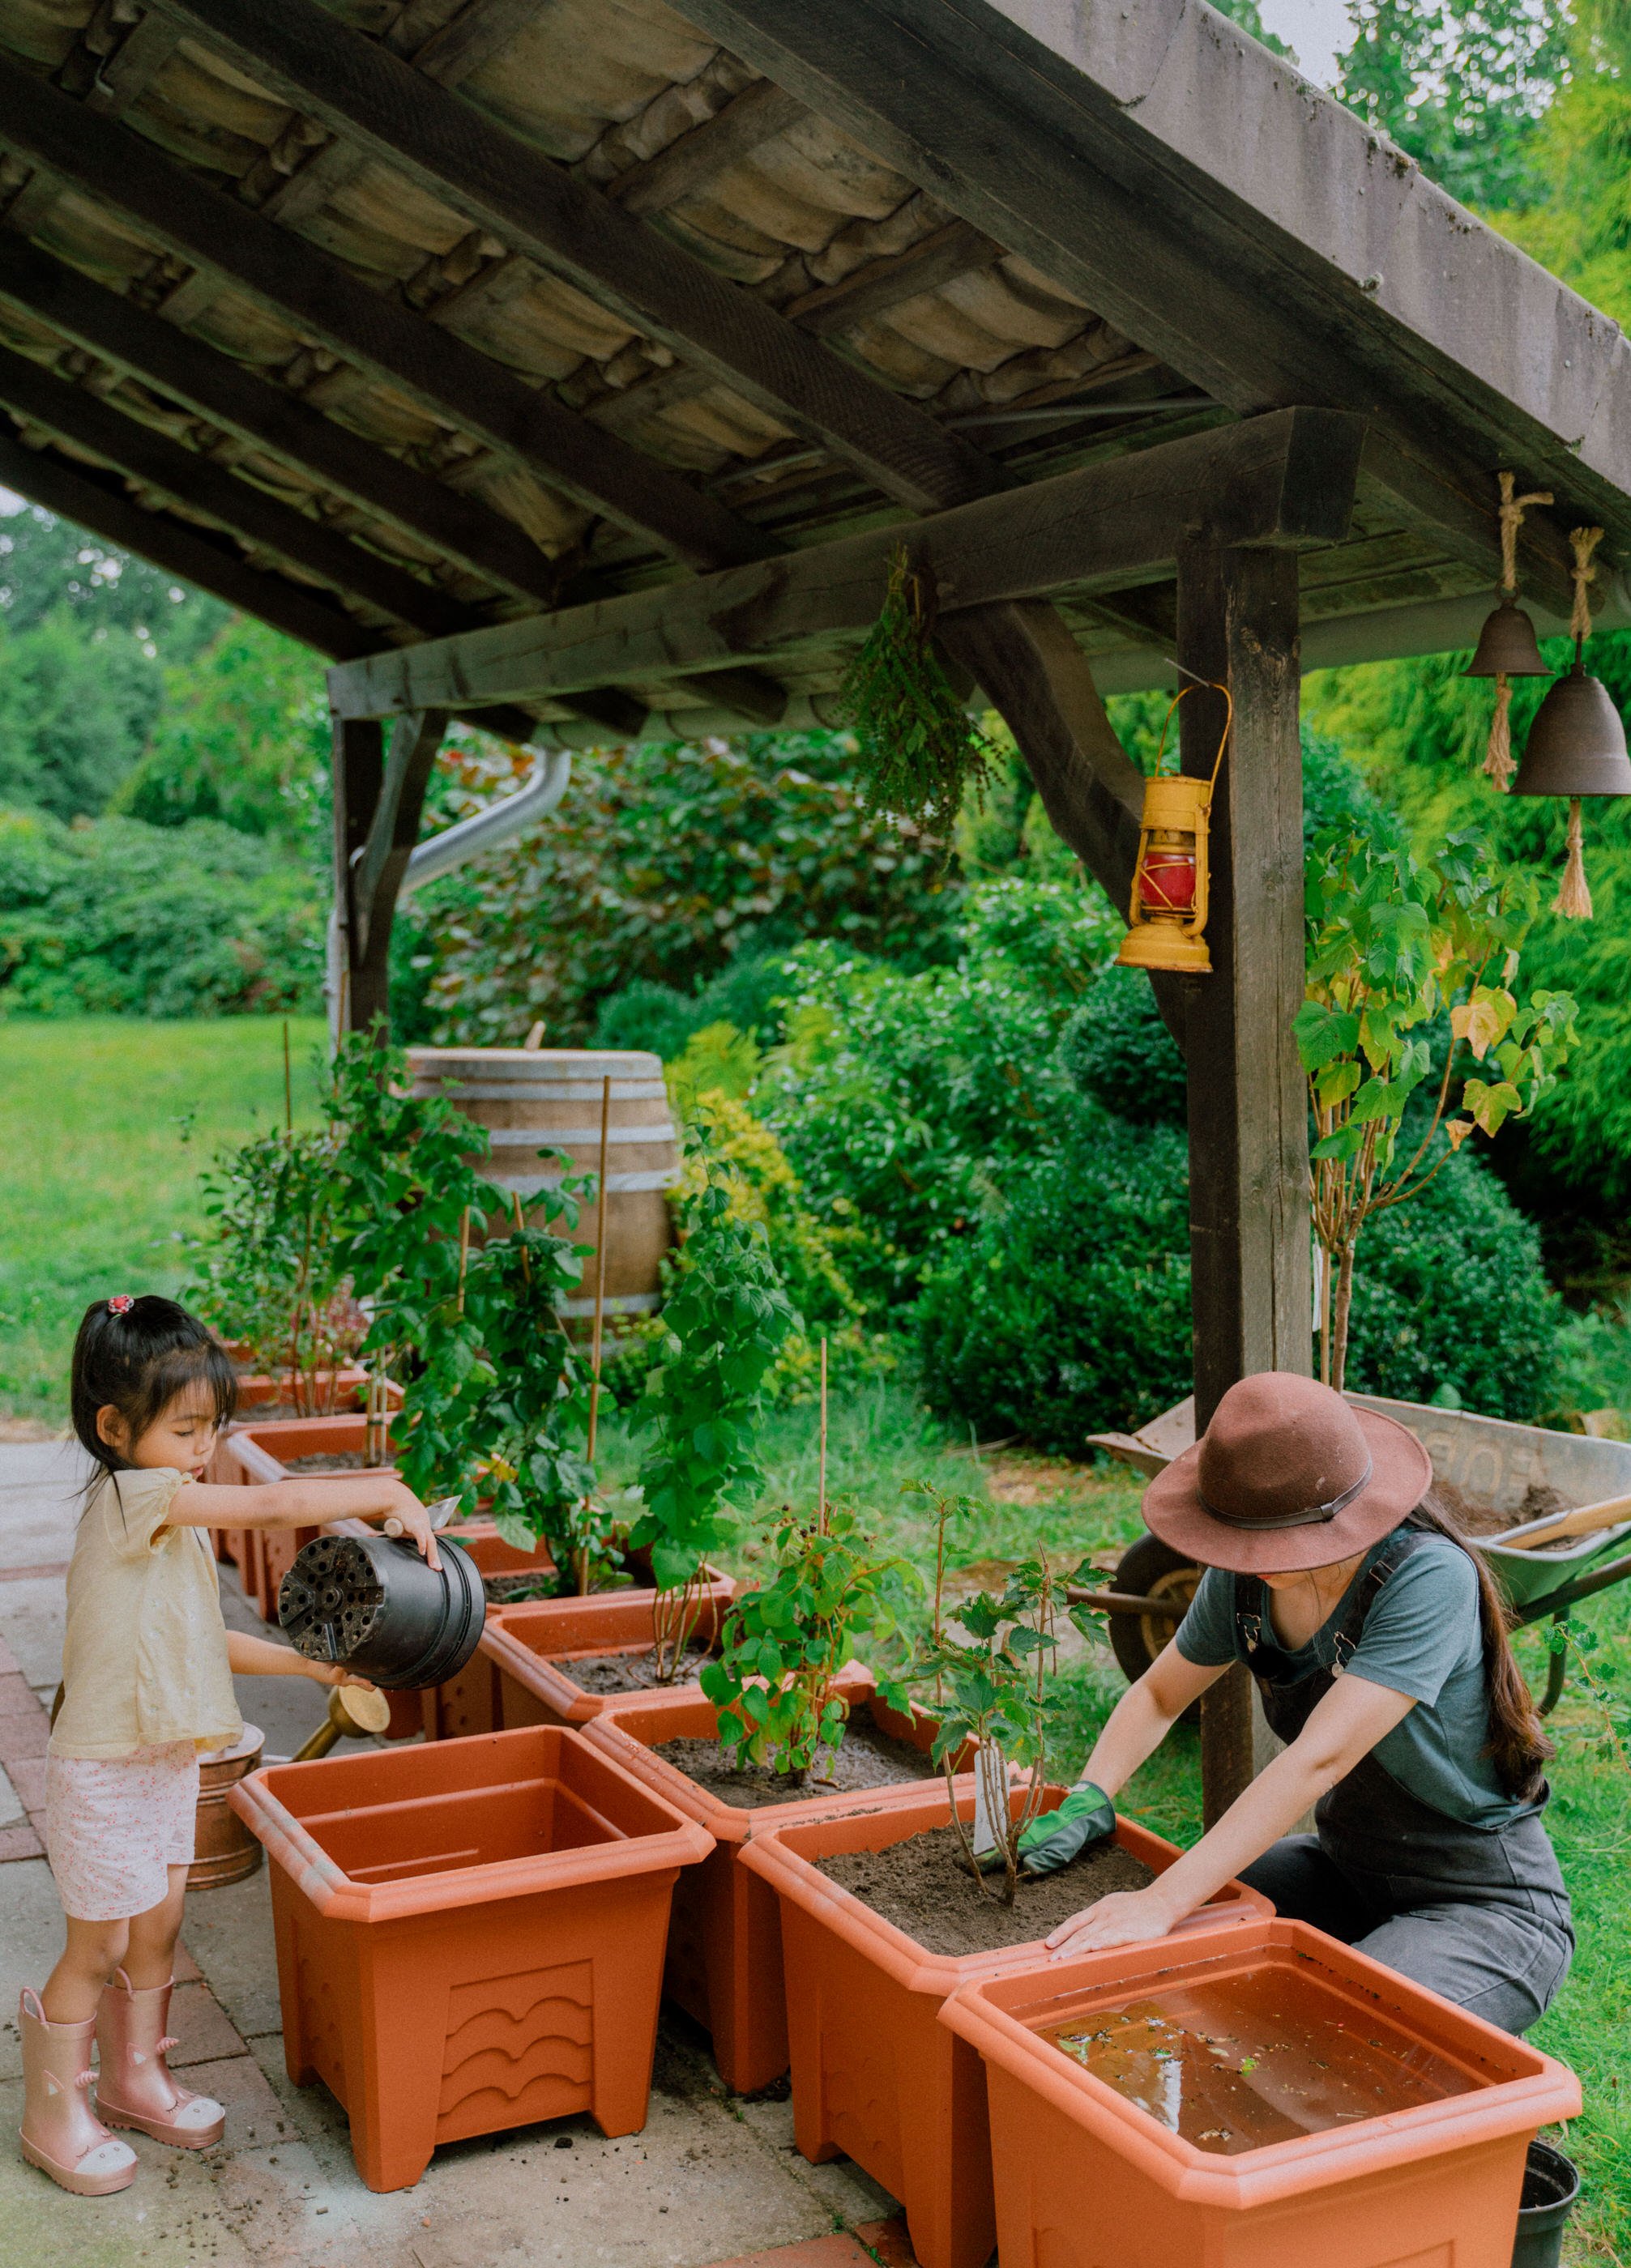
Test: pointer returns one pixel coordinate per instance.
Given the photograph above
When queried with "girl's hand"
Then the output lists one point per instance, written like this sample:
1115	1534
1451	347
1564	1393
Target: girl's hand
334	1672
412	1520
1124	1917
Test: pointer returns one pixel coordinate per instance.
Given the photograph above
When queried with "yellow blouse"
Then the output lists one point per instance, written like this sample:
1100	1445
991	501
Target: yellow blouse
145	1659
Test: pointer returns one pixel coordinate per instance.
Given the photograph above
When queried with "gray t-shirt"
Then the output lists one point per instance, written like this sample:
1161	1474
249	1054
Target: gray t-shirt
1422	1637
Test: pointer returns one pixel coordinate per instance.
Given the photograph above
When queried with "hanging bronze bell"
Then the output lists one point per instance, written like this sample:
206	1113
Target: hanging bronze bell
1577	743
1507	646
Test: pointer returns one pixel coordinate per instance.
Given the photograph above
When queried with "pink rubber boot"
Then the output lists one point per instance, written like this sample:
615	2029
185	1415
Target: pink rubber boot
60	2133
134	2084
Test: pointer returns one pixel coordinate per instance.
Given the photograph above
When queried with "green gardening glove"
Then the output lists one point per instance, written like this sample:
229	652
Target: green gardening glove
1086	1816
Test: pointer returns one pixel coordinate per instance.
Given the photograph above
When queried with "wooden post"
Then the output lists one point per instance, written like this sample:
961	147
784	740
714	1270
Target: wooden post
358	771
1248	1140
377	802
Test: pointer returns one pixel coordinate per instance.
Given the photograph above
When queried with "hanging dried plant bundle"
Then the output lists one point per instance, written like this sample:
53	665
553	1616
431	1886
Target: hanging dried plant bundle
921	749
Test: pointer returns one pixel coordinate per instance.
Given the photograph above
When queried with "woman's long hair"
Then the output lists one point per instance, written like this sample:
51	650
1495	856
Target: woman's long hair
1517	1745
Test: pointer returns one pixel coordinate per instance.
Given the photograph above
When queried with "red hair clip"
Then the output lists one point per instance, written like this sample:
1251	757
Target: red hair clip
121	1304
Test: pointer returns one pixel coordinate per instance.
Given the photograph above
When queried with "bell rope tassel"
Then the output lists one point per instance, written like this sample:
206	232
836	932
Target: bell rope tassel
1585	540
1574	895
1498	757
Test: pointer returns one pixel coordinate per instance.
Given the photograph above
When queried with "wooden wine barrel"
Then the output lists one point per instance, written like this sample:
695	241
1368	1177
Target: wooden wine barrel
531	1099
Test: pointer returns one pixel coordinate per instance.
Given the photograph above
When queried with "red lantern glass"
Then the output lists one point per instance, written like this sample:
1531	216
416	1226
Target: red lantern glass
1167	880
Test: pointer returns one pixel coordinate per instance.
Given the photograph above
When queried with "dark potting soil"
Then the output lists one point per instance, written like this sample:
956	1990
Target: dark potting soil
515	1590
866	1758
628	1673
1475	1519
327	1460
924	1888
261	1413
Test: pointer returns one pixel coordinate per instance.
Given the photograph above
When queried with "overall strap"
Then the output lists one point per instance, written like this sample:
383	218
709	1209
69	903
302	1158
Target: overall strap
1397	1550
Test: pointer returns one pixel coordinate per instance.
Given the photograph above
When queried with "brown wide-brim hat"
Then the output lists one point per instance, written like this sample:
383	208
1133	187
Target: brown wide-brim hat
1287	1475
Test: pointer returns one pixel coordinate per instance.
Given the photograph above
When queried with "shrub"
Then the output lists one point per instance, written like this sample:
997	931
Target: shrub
1117	1049
1066	1312
121	918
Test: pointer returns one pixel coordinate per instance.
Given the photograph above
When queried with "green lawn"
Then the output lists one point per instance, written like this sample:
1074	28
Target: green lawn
104	1127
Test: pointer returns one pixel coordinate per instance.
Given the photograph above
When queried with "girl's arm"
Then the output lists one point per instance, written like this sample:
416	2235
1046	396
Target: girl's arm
260	1657
298	1503
1344	1727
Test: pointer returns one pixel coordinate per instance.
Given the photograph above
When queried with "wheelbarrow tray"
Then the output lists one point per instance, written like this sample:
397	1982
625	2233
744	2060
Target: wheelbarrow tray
1489	1460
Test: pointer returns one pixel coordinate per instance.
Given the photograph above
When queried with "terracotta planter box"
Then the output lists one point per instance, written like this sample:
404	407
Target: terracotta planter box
725	1962
874	2075
527	1645
1422	2183
470	1935
256	1386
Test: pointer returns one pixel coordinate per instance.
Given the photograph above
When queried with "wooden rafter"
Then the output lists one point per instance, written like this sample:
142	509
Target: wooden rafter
1285	480
956	98
268	417
359	89
324	301
756	115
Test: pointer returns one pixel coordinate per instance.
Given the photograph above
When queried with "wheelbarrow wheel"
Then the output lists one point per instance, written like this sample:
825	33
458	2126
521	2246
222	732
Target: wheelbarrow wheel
1150	1569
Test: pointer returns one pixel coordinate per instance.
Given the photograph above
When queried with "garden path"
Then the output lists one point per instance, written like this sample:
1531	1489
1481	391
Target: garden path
712	2179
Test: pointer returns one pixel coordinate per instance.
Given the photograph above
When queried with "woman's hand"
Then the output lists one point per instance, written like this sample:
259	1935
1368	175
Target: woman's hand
1124	1917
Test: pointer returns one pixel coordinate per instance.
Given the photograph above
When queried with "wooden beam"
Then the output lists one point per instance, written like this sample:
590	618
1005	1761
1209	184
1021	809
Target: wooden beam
89	421
1284	481
746	693
1251	1287
325	302
935	260
125	75
100	502
756	115
994	124
378	868
359	89
267	417
1039	681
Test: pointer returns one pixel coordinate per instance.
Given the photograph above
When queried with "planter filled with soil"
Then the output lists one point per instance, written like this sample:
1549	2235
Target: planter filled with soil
470	1935
1268	2095
880	1921
725	1964
557	1661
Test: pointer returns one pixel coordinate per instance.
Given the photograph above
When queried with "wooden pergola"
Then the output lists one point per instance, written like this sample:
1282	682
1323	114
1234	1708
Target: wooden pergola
575	365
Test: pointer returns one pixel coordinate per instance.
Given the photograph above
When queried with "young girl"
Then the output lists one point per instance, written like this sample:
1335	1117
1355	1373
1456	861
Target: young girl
147	1672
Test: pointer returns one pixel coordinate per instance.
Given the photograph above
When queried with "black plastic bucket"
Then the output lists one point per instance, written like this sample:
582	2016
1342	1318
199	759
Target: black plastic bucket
371	1603
1551	2184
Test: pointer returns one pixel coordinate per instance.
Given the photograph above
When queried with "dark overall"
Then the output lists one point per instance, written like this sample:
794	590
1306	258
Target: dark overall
1479	1914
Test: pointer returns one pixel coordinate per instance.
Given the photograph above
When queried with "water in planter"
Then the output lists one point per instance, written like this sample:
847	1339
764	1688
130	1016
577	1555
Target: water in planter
1234	2063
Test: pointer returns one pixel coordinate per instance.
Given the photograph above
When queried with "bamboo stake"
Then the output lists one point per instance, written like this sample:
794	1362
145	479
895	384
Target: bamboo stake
464	1252
515	1207
821	1493
599	1306
288	1085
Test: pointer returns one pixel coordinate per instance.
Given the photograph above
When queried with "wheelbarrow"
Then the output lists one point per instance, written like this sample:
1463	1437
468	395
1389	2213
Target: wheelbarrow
1488	1459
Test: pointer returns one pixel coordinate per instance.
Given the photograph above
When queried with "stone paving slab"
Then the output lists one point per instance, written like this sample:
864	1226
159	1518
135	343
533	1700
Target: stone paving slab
839	2250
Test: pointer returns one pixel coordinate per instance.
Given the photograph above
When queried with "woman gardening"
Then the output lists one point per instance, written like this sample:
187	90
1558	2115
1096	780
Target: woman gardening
147	1672
1379	1644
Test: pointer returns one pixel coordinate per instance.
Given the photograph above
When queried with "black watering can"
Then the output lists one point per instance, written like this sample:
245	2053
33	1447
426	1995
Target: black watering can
371	1603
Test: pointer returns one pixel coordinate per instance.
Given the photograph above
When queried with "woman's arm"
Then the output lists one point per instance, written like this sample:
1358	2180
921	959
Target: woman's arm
1143	1717
262	1657
298	1503
1344	1727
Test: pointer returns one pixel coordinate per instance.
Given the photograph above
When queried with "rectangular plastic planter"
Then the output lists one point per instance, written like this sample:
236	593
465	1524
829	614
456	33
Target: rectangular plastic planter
526	1645
874	2075
1081	2173
725	1966
470	1935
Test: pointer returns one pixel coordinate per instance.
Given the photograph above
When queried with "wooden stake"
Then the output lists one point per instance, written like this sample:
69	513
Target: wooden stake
599	1305
821	1504
515	1207
288	1084
464	1253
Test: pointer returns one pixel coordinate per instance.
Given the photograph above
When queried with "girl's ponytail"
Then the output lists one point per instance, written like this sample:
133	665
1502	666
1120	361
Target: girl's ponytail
136	1355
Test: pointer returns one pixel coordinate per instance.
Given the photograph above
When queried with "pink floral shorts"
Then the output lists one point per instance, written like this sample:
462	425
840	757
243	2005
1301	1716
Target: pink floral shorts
115	1825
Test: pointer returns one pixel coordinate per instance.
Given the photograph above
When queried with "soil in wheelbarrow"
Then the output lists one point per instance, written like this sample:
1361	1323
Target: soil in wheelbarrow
629	1673
866	1758
1473	1518
924	1887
